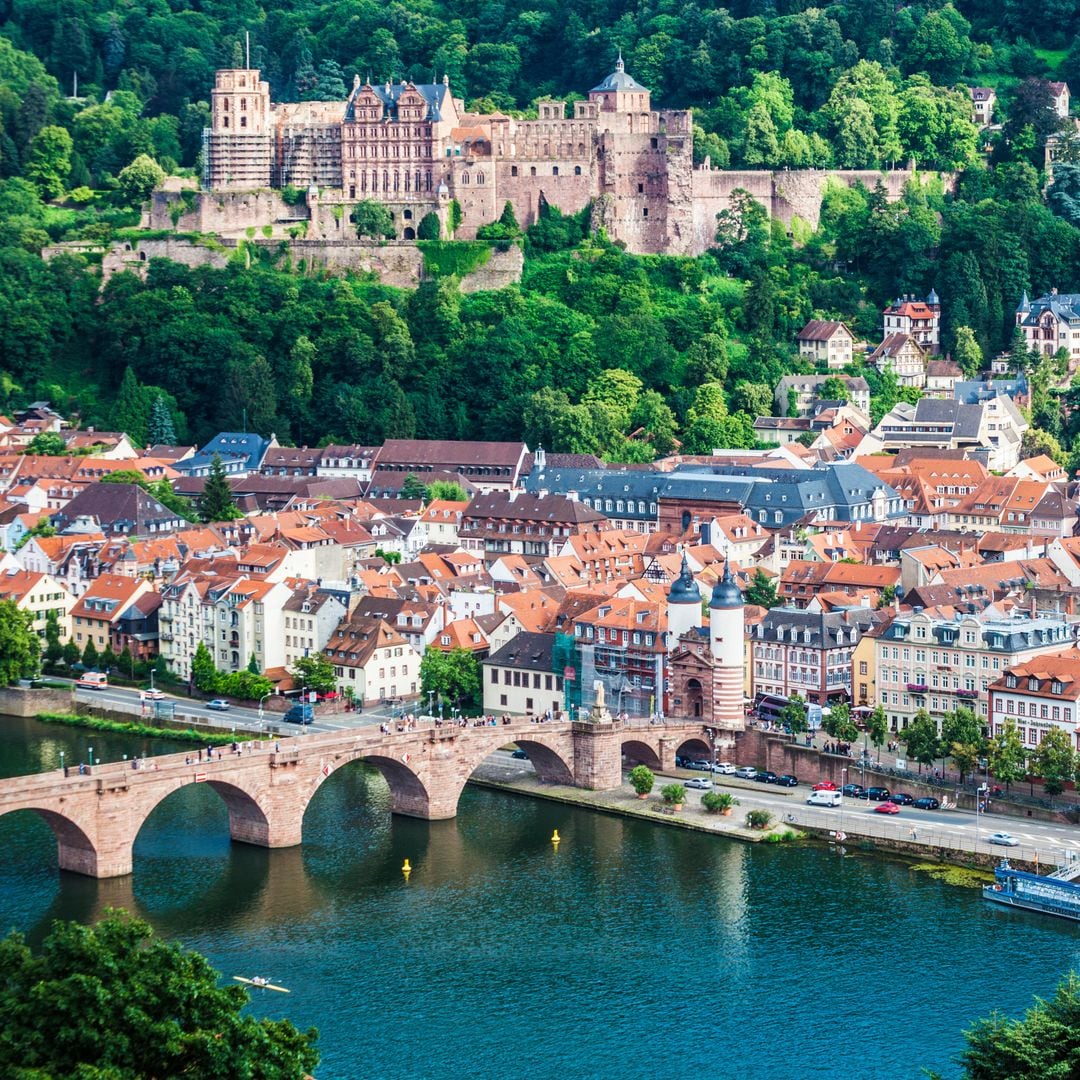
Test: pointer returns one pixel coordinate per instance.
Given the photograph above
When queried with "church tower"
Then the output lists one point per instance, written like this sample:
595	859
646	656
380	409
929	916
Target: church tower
728	643
683	605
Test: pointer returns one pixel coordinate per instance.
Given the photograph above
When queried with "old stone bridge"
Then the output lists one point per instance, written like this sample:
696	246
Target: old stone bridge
267	786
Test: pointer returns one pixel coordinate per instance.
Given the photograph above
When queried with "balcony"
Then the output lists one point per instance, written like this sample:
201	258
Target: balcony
165	637
918	687
967	693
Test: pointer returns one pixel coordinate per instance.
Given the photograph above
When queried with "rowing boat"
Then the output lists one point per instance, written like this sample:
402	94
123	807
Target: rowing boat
260	985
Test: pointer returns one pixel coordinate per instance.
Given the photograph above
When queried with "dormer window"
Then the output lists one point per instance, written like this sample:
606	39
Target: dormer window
1010	681
1033	683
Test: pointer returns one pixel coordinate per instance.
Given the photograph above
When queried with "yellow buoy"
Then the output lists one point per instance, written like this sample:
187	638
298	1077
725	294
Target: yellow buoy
406	869
555	837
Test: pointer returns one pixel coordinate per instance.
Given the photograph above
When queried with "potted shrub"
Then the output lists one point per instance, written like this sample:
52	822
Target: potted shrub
674	795
759	819
642	780
719	802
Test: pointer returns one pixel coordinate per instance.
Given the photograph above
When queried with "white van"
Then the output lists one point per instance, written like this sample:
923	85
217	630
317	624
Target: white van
825	798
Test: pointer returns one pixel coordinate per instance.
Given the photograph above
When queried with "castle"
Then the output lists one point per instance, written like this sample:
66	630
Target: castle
414	148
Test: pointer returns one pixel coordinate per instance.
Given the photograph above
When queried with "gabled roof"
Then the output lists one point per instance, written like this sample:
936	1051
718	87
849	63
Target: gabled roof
821	330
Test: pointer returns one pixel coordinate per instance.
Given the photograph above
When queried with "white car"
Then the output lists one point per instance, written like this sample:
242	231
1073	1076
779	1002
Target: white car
152	695
1003	839
724	768
746	772
698	782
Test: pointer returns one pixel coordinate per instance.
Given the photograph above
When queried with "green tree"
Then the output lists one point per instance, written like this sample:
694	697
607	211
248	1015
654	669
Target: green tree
90	654
762	591
838	724
132	1005
1054	760
920	738
412	488
137	180
204	674
160	429
447	490
20	648
642	779
48	444
962	739
429	227
54	650
216	503
1008	759
793	715
877	726
253	665
49	161
373	220
454	676
454	218
966	351
131	410
315	672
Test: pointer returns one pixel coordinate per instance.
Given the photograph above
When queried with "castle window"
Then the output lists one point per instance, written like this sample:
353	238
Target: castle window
655	143
513	170
243	121
554	170
464	177
644	211
225	122
577	170
407	214
532	170
243	104
641	189
479	177
225	104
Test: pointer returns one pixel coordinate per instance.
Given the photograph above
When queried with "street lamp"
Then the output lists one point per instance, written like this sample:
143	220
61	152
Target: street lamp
90	753
430	702
261	700
61	760
151	678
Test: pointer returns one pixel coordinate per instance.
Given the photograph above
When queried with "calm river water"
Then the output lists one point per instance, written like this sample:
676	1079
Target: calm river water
633	950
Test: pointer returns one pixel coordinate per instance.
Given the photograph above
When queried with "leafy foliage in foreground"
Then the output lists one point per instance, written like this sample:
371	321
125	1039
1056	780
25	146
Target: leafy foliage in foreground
115	1001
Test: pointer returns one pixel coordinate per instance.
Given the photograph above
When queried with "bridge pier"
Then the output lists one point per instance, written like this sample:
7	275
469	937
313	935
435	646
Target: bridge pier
597	755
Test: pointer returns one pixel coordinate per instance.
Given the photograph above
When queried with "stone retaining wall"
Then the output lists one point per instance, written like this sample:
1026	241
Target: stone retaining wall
16	701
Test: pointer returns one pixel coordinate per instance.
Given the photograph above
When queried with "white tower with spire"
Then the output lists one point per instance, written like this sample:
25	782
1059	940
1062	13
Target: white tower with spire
683	605
727	642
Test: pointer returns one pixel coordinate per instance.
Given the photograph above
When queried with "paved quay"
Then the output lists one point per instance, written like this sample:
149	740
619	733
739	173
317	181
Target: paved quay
951	836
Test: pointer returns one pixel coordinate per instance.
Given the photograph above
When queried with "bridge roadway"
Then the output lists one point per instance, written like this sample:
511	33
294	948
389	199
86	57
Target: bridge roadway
266	786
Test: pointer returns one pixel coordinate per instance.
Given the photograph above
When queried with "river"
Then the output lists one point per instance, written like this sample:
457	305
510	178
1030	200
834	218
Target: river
632	949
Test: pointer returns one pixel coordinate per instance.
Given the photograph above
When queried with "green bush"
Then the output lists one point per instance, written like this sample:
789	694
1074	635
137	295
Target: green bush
673	793
758	819
716	802
453	258
146	731
642	779
429	228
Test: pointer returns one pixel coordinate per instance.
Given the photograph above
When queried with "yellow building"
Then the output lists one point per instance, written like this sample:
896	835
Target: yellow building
39	594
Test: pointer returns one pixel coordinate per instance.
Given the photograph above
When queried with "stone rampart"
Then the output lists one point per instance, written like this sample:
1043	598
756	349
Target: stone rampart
16	701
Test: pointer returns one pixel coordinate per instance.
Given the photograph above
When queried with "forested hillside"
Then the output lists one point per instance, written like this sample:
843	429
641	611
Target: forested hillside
697	345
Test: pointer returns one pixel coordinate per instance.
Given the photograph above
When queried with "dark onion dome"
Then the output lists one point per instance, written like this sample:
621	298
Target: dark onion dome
619	81
725	592
684	589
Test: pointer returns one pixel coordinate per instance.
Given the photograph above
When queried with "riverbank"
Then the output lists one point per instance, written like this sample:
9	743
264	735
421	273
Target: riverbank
910	838
145	731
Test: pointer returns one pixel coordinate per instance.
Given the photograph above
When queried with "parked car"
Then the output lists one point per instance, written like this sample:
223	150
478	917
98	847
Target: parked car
682	762
887	808
1003	839
698	782
765	776
746	772
926	802
299	714
701	766
853	791
902	798
520	755
825	798
824	785
219	704
724	768
786	780
876	794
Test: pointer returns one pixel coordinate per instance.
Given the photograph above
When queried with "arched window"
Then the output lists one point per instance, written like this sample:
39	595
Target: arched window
225	104
385	181
554	170
479	177
408	181
243	104
464	177
577	170
532	170
397	180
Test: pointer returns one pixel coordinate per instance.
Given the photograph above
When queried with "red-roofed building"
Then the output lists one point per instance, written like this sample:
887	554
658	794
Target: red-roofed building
919	319
1037	696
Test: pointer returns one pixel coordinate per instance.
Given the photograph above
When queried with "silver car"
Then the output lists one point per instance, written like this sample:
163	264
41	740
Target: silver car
1003	839
746	772
698	782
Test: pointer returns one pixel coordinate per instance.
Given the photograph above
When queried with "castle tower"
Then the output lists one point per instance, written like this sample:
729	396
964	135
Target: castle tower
683	605
728	644
237	145
620	93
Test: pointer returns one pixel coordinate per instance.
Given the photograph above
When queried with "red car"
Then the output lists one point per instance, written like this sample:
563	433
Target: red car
887	808
825	785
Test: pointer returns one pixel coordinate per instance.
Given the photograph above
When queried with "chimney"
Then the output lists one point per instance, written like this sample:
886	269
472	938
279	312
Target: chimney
512	494
896	603
572	496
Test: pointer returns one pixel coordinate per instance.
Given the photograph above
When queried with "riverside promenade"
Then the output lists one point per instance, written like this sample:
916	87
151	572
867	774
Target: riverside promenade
953	836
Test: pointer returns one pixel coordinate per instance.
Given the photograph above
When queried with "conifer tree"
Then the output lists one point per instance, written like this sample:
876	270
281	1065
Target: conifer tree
160	431
217	501
131	408
90	655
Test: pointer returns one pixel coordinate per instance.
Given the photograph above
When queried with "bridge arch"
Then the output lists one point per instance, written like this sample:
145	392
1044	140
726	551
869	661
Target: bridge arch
248	821
636	752
551	767
408	793
695	748
75	849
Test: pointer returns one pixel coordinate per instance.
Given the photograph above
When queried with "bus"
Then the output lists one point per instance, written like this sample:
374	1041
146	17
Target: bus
771	707
93	680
